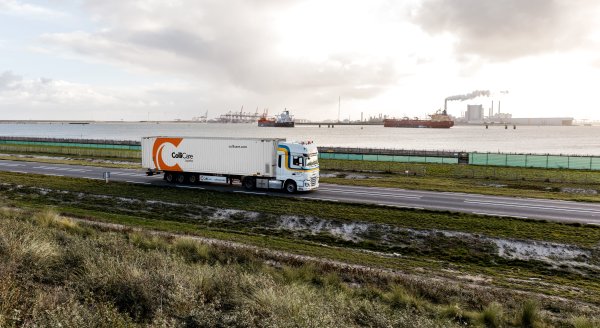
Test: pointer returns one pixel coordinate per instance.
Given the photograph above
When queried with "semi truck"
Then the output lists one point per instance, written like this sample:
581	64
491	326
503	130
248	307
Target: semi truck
266	163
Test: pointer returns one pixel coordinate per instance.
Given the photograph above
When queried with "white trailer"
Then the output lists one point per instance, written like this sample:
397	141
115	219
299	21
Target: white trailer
267	163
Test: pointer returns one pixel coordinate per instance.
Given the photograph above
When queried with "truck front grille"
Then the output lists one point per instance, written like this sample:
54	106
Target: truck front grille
313	181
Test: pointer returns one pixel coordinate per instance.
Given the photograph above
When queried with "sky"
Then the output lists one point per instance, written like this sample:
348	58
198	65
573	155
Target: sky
177	59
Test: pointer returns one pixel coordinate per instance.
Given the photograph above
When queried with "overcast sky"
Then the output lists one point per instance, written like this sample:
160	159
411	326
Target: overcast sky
167	59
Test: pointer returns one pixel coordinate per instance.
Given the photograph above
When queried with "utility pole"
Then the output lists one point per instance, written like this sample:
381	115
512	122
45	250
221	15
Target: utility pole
339	107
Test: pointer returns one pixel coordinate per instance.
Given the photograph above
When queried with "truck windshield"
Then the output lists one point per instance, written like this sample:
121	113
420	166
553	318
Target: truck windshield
312	160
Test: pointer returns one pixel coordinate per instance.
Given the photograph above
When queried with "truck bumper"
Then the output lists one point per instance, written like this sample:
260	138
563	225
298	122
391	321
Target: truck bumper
307	187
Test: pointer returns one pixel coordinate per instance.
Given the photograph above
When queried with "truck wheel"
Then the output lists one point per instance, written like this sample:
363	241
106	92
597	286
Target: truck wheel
180	178
290	187
193	178
169	177
249	183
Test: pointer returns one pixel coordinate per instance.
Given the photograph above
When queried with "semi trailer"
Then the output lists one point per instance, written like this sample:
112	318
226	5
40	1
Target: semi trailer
266	163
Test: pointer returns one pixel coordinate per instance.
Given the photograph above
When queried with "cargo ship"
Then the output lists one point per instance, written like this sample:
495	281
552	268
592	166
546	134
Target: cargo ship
439	120
283	120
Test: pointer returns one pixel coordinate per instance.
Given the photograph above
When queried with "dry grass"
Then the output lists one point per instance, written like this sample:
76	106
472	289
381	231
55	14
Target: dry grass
55	276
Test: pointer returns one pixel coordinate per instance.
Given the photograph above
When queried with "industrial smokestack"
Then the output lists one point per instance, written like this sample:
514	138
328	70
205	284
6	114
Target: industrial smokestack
498	106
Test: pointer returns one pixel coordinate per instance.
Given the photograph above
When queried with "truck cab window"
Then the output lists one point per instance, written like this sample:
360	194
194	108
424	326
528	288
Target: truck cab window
279	161
297	160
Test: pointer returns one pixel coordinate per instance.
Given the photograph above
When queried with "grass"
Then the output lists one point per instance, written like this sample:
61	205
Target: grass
443	254
76	274
105	279
587	235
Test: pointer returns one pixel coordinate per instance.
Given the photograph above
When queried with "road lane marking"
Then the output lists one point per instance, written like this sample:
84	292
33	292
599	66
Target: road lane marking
250	192
366	193
11	164
188	187
54	174
501	215
138	182
535	206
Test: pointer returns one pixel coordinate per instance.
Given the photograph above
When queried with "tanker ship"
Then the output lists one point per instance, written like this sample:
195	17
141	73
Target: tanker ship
439	120
283	120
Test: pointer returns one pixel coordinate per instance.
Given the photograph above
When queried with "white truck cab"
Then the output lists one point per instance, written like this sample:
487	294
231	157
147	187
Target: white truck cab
298	166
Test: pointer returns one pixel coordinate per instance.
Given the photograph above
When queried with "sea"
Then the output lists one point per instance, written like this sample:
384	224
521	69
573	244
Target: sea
573	140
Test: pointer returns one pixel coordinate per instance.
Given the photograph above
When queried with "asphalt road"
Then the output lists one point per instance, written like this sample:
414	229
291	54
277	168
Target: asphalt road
554	210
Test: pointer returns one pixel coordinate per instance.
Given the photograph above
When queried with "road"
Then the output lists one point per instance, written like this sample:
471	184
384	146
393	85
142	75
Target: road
552	210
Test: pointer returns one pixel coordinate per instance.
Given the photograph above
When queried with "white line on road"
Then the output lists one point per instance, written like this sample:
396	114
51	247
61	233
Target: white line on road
19	172
502	215
369	193
54	175
11	164
139	182
534	206
250	192
188	187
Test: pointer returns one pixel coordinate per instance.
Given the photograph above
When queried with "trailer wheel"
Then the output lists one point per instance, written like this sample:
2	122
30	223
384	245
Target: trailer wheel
249	183
169	177
193	178
180	178
290	187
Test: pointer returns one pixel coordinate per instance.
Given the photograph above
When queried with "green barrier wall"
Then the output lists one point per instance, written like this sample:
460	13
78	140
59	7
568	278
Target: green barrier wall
70	144
389	158
538	161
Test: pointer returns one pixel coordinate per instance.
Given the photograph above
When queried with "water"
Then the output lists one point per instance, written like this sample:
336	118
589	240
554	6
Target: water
579	140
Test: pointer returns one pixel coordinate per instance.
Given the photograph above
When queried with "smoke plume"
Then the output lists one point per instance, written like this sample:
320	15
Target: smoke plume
472	95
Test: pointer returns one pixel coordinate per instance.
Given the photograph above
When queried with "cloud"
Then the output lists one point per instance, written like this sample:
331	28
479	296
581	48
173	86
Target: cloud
507	29
17	8
46	98
233	43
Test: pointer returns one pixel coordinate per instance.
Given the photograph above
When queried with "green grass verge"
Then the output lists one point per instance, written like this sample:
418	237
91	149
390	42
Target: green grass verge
587	236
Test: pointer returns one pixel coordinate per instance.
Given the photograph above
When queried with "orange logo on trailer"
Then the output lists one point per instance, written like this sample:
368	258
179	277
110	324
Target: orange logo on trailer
157	149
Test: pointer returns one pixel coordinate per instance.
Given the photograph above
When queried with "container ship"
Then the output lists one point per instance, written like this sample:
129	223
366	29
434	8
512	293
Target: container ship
439	120
283	120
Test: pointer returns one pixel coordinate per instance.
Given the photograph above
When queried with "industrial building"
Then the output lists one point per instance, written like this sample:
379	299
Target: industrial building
475	115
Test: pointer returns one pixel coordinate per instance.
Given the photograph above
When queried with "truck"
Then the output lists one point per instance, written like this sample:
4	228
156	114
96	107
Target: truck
266	163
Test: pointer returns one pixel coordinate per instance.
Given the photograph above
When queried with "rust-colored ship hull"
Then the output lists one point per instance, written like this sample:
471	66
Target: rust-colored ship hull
412	123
